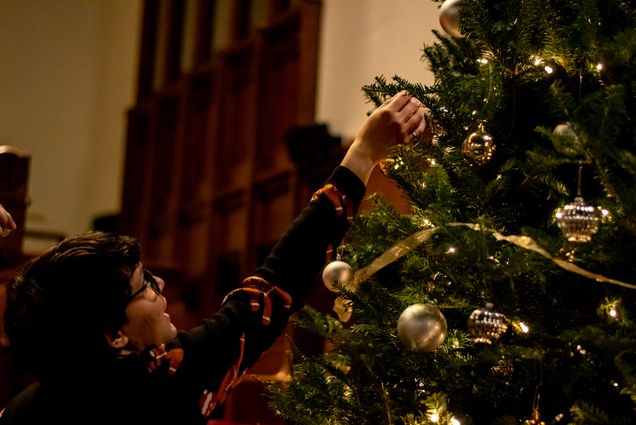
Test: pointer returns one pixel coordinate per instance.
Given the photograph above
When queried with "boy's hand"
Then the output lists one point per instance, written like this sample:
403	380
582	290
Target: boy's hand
398	120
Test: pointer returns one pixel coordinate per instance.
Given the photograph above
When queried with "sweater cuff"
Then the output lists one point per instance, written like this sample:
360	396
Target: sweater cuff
348	183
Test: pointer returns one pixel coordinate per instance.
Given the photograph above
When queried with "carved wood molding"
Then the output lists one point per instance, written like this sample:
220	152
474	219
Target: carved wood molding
230	202
273	187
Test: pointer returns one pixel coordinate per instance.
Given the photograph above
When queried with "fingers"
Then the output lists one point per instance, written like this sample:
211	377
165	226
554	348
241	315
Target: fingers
410	112
417	122
402	102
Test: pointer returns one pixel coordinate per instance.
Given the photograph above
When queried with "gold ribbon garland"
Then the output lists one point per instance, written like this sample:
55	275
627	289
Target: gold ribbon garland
392	254
342	307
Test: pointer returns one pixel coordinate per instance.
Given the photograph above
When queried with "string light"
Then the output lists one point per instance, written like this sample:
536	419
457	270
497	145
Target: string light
434	416
521	327
605	214
536	60
398	164
610	309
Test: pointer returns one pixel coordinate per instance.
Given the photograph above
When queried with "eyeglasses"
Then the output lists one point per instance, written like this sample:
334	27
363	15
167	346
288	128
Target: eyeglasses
149	281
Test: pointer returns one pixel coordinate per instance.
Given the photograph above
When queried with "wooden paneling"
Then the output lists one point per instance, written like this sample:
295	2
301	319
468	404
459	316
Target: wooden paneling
209	182
235	143
201	124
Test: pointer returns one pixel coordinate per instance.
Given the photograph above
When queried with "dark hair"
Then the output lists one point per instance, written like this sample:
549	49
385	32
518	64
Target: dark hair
60	306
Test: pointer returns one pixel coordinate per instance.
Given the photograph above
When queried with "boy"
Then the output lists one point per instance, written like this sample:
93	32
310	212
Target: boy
90	323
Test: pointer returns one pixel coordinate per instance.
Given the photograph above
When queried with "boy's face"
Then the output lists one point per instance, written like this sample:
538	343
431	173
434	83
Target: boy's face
148	322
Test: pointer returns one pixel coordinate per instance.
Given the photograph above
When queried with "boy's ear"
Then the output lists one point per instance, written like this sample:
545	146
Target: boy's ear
117	340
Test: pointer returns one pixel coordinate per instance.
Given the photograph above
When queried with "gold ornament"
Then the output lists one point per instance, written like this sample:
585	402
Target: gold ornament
422	327
504	368
535	420
479	146
449	17
486	326
385	165
343	309
577	220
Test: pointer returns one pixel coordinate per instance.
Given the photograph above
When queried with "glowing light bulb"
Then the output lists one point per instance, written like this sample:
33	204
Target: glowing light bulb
455	421
606	215
548	69
434	417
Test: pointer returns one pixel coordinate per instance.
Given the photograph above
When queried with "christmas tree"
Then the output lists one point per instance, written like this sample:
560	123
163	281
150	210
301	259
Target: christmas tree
506	295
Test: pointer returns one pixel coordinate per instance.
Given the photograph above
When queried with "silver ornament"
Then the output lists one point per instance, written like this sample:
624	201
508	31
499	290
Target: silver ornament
449	17
422	327
479	146
577	220
486	326
337	273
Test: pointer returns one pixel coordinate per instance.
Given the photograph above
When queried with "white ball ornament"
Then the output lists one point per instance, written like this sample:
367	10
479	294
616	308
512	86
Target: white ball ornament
337	273
565	139
449	17
422	327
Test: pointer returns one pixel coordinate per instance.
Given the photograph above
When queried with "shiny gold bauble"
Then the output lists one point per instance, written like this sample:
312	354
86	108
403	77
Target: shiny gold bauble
479	146
535	420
